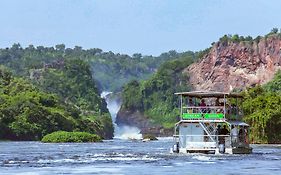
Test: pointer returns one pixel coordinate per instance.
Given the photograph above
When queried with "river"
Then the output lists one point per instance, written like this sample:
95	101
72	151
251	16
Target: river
130	157
124	156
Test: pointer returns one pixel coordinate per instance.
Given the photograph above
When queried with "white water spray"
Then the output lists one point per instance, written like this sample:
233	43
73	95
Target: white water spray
125	131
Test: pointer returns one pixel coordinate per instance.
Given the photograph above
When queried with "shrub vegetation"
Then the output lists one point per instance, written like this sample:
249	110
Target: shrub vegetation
63	136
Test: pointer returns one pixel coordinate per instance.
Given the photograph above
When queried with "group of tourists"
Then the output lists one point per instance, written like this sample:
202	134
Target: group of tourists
237	136
216	107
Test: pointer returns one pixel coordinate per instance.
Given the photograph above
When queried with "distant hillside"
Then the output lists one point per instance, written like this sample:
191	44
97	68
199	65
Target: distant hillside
110	71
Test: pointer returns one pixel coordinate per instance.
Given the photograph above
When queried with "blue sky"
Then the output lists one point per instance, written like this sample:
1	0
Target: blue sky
134	26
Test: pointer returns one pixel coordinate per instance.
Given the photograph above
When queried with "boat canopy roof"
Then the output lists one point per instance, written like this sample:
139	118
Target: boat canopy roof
238	123
209	94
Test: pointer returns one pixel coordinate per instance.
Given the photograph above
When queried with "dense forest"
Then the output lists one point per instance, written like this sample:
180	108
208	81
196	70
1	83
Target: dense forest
154	97
58	96
262	107
42	92
110	71
46	89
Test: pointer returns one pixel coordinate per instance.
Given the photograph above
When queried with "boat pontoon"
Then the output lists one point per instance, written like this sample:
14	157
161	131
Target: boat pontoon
211	122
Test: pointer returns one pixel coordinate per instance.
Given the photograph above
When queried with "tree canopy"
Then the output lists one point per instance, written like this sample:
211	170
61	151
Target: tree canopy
155	96
263	111
30	111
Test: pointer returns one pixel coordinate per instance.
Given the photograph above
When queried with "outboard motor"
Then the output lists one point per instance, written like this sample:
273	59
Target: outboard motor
221	148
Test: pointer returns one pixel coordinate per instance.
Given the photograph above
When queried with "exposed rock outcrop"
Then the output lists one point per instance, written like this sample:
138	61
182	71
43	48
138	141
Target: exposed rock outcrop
231	65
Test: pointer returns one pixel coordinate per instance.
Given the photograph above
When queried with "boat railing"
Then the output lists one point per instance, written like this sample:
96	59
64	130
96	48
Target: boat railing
206	140
208	112
203	112
198	141
201	107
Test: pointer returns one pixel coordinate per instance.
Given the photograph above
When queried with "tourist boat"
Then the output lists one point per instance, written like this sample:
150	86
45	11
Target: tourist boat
211	122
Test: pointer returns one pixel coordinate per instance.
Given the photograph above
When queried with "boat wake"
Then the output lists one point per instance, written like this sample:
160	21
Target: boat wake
201	158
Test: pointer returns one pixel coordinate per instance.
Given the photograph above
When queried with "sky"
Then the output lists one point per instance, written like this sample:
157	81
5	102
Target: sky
149	27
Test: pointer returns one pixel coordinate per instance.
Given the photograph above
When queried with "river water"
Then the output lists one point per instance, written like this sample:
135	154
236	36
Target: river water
124	156
130	157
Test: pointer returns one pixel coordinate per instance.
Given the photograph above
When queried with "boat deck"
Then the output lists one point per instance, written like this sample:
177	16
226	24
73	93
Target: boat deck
210	123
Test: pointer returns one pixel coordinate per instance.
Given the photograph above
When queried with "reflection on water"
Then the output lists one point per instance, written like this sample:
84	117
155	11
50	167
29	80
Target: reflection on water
130	157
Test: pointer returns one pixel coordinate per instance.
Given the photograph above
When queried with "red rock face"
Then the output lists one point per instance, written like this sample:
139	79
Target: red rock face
236	65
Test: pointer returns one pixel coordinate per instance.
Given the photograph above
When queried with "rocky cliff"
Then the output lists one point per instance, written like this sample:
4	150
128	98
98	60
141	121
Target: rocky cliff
235	65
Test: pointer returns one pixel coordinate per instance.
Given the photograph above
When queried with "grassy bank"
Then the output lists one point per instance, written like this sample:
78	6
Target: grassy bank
63	136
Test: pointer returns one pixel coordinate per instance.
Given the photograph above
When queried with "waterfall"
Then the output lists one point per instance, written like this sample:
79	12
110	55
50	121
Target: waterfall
120	132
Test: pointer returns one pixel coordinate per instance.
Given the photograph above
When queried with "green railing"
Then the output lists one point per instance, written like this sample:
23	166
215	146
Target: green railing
209	116
191	116
213	116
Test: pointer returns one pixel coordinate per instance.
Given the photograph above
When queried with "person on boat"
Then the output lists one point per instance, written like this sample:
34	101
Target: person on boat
208	110
224	130
218	105
219	130
203	105
228	109
234	135
246	135
243	134
220	138
240	134
190	102
190	106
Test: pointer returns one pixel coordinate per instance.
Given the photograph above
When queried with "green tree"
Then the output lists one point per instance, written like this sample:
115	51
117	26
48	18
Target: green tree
263	113
60	47
235	38
275	84
274	30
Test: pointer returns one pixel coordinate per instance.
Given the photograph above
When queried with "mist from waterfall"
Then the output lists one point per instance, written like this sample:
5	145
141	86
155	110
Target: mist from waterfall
124	131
